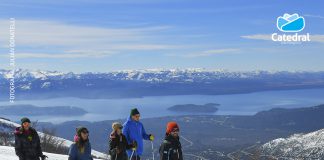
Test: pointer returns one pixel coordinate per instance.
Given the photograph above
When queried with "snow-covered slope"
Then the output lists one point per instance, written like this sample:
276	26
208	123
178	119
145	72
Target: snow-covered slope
298	146
8	153
8	126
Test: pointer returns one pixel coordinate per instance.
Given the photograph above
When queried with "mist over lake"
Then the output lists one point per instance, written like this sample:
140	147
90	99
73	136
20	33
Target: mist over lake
156	106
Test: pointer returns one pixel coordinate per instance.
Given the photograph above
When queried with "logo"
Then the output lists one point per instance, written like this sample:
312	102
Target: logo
290	23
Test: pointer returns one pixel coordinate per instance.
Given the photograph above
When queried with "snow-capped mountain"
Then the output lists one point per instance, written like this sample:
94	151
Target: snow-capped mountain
153	75
26	75
298	146
7	126
152	82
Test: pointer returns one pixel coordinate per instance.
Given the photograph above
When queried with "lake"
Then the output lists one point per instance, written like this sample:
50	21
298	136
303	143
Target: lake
156	106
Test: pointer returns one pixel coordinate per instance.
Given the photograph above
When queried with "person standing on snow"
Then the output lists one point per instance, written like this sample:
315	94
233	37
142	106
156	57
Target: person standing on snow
27	142
170	148
81	148
134	131
118	143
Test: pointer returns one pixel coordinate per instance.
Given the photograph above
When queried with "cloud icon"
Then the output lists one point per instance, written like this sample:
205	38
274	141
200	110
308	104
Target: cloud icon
290	23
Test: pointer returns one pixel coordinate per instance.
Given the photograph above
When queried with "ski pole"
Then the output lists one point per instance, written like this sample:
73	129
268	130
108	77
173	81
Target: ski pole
131	157
152	149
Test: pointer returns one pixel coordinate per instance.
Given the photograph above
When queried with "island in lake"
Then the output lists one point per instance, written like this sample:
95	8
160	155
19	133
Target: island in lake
193	108
31	110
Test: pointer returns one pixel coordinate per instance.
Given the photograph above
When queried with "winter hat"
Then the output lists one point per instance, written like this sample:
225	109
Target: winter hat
134	112
116	125
25	119
81	129
172	126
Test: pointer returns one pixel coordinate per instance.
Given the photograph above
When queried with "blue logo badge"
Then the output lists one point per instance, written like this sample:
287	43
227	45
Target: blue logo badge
290	23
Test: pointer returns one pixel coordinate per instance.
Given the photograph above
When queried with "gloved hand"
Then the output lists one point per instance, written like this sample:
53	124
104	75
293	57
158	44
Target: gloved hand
134	145
151	137
43	157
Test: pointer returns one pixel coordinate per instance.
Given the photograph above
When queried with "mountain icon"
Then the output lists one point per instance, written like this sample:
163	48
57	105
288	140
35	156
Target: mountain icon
290	23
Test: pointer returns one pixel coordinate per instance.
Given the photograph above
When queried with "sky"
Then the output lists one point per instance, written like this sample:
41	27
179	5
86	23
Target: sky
106	35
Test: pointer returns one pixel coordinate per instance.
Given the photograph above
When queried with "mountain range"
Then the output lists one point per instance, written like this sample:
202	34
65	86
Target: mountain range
31	110
154	82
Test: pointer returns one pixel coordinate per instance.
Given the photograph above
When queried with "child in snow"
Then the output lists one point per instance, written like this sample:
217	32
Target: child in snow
118	143
81	148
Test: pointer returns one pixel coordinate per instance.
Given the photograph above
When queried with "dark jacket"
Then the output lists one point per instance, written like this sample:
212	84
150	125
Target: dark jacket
170	149
27	144
75	154
134	131
120	142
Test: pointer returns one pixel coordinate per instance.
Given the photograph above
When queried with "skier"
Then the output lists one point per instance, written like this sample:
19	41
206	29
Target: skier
170	148
27	142
81	148
134	132
118	143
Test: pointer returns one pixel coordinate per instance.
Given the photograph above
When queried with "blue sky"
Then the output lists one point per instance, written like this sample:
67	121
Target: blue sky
102	35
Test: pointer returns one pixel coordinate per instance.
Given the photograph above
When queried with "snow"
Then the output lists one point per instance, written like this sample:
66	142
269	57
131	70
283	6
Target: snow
23	73
156	75
38	75
11	125
26	86
46	85
308	146
8	153
310	140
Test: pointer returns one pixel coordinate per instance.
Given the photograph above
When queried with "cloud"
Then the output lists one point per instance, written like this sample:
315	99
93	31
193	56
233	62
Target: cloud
314	38
317	38
314	16
258	37
89	41
207	53
66	54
